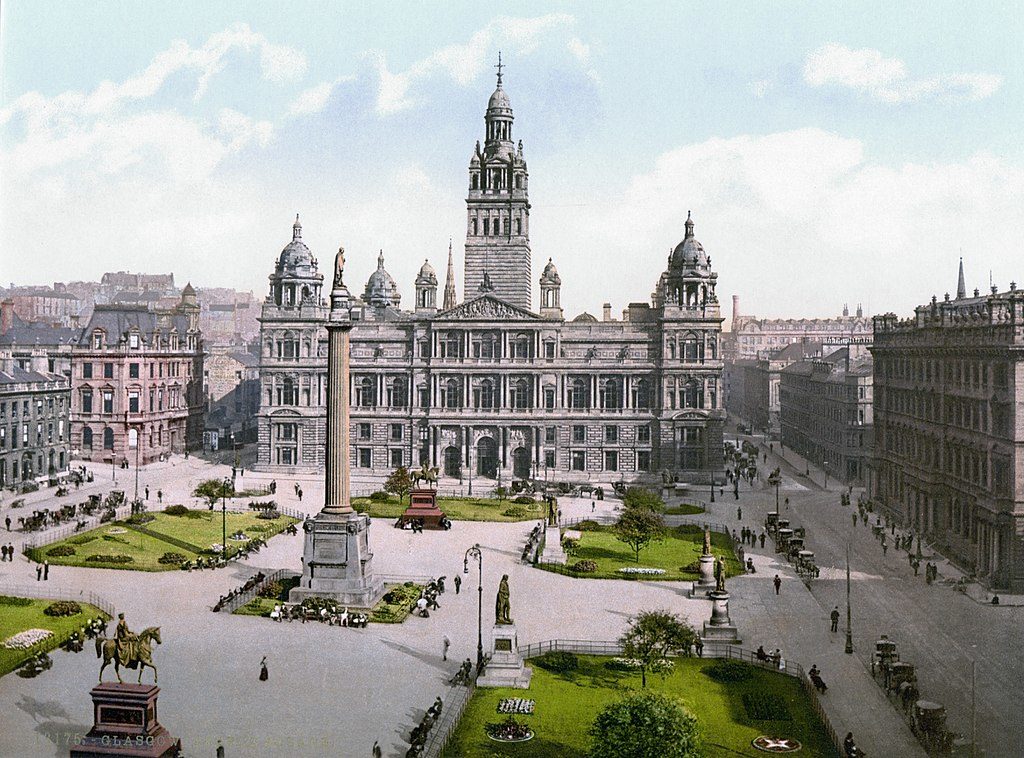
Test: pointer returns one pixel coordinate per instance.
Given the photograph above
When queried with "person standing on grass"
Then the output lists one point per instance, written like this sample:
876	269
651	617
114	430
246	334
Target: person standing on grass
835	619
778	583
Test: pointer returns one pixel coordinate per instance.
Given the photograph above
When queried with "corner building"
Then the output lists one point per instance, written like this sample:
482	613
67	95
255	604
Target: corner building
488	387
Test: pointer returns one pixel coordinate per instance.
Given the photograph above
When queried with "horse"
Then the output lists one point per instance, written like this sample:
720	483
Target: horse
426	474
107	649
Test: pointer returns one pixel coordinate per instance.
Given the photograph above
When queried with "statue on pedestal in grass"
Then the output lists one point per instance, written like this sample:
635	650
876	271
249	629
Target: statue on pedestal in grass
719	575
707	541
502	608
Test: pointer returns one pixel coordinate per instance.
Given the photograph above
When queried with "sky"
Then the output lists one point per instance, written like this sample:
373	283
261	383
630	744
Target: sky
830	153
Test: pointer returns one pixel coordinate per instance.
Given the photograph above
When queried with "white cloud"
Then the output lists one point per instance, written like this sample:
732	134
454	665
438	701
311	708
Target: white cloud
760	88
465	62
869	72
312	100
579	49
240	131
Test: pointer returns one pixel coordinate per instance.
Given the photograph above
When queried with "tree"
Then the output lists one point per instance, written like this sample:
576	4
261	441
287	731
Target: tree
653	636
212	490
638	527
641	497
645	725
399	482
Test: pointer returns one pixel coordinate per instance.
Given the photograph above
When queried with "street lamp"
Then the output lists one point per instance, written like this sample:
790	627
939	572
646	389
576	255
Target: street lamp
474	552
224	518
849	630
775	479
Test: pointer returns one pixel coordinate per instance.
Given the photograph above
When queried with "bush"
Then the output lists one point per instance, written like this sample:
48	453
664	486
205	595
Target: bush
691	568
729	671
558	661
58	551
115	538
516	511
380	496
766	706
524	500
271	590
82	539
570	545
172	559
110	559
639	497
269	515
584	567
588	526
63	608
141	518
669	730
18	602
176	510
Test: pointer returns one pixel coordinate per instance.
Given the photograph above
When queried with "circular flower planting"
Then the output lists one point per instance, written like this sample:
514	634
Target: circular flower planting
509	730
28	638
117	530
641	570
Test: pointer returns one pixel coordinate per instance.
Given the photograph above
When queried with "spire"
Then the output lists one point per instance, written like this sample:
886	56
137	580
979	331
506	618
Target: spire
380	260
499	66
689	225
961	287
296	229
449	282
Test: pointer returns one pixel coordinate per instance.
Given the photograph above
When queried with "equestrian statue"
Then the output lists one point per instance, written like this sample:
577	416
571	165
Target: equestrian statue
128	649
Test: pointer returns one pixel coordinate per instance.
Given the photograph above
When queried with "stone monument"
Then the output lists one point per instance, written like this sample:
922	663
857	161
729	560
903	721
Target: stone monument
553	552
505	668
338	562
706	582
423	508
720	628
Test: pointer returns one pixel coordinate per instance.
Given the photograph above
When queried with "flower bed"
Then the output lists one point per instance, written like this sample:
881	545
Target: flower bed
516	705
26	639
640	570
509	730
662	666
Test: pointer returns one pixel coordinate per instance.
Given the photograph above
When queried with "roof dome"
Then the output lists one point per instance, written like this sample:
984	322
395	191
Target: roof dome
381	289
499	99
427	275
296	259
689	253
585	318
550	275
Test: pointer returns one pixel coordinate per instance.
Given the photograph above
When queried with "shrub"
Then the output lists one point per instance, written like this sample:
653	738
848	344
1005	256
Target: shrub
176	510
691	568
729	671
269	515
18	602
588	526
524	500
63	608
669	730
516	511
766	706
173	559
58	551
110	559
141	518
82	539
509	729
115	538
558	661
380	496
570	545
271	590
639	497
584	567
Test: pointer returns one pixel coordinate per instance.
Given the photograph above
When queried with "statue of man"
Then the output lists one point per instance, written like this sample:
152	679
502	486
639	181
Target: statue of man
719	575
707	541
339	266
502	609
552	511
125	641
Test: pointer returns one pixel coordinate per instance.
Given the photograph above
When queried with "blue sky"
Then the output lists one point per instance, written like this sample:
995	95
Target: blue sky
830	152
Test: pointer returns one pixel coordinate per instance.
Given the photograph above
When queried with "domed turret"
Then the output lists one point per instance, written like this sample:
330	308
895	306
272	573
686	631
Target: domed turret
381	290
688	254
689	281
426	289
295	255
427	275
550	289
550	275
296	280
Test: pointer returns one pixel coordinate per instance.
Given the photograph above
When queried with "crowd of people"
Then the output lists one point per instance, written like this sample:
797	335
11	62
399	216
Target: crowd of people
250	583
420	732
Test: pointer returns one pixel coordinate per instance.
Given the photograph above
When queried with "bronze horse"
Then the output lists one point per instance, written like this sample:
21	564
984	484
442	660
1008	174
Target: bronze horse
107	649
426	474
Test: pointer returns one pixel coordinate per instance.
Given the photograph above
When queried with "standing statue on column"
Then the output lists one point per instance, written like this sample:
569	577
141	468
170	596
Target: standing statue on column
719	575
502	609
339	267
707	541
552	511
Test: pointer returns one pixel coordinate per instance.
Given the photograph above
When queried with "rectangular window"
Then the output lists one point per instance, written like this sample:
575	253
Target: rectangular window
152	369
611	434
87	401
108	370
643	434
108	401
579	434
133	401
364	431
87	371
549	458
549	399
133	370
133	341
550	434
643	460
579	460
611	460
549	350
397	433
396	457
365	457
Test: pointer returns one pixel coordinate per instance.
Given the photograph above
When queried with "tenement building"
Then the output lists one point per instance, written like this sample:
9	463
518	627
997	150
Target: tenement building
488	387
752	336
137	382
752	390
949	428
825	410
34	407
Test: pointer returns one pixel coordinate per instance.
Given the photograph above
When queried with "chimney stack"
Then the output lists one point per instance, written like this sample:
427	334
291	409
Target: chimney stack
607	312
735	310
6	315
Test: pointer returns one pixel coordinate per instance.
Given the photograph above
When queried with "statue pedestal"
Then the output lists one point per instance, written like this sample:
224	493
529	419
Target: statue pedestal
125	724
337	561
720	628
506	668
423	506
707	582
553	552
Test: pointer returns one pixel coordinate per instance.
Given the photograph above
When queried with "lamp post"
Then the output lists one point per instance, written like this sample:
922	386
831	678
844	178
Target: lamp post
849	630
775	479
224	519
474	552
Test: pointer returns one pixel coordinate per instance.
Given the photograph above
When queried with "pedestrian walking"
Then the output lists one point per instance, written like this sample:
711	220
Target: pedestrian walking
458	583
762	540
299	493
8	522
376	750
699	645
885	548
445	644
916	564
46	571
854	518
147	493
3	550
778	583
592	507
39	573
264	674
159	496
835	619
739	512
220	745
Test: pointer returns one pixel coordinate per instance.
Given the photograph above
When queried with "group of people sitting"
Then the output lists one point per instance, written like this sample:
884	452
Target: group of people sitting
775	658
251	582
428	597
328	614
464	675
418	737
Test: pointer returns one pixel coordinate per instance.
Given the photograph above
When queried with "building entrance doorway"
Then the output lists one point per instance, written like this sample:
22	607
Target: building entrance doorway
487	458
521	463
452	462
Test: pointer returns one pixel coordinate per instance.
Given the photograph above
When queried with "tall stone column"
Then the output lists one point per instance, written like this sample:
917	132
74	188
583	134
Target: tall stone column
337	476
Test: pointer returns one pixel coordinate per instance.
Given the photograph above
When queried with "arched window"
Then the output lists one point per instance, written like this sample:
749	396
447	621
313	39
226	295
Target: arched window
486	394
287	392
108	438
87	438
691	348
476	181
452	394
365	395
451	345
691	395
519	224
579	394
642	394
521	394
610	397
398	394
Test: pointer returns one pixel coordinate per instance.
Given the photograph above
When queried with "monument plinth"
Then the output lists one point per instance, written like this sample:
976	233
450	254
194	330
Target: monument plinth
423	507
337	560
720	628
125	724
708	580
506	667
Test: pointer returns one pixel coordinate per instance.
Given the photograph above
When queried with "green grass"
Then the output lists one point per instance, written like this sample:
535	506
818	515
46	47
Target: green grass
566	705
456	508
262	606
683	509
18	618
681	547
201	530
404	597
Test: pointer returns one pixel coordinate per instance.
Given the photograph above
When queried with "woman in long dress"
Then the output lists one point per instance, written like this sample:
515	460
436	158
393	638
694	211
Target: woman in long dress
264	675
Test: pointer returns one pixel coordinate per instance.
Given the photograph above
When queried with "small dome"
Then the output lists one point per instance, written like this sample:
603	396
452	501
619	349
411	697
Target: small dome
427	276
189	289
689	253
296	259
585	318
381	289
499	100
550	275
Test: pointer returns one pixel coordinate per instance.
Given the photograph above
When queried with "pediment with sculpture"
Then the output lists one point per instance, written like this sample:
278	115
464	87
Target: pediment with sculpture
486	308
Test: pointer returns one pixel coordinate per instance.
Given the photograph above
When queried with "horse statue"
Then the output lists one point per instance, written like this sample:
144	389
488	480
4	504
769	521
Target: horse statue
140	653
425	474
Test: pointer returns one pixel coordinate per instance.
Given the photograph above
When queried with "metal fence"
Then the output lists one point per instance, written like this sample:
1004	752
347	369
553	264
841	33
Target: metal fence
44	592
403	578
245	597
59	533
454	706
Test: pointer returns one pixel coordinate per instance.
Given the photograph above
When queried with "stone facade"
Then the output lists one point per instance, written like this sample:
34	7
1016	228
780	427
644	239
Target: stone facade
232	383
488	388
137	379
751	337
826	414
34	429
753	385
949	428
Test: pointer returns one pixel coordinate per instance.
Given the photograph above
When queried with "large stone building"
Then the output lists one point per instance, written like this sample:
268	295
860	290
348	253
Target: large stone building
488	387
751	336
752	385
232	383
34	436
825	410
137	382
949	428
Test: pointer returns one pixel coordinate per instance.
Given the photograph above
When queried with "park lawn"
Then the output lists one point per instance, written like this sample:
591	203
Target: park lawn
262	606
566	705
203	528
683	509
681	547
144	550
18	618
457	508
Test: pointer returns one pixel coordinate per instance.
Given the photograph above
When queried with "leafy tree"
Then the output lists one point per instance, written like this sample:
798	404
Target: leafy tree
399	482
639	527
641	497
212	490
645	725
653	636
